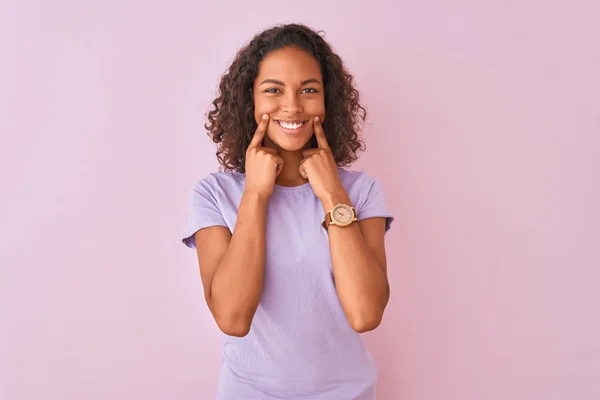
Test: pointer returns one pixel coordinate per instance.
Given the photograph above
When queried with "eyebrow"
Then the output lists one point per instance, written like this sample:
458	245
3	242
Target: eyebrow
280	83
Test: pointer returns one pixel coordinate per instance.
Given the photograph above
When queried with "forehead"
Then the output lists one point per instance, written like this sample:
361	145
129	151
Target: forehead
290	62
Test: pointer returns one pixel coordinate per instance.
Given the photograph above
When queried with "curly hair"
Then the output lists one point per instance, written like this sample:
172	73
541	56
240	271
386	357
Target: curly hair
231	122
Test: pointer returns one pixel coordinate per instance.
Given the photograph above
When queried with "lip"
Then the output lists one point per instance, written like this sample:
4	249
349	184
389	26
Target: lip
292	131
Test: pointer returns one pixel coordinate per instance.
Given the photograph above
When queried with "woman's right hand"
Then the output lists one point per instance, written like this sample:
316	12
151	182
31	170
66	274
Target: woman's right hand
263	164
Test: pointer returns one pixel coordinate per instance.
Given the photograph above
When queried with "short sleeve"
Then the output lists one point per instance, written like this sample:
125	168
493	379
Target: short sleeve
374	204
204	211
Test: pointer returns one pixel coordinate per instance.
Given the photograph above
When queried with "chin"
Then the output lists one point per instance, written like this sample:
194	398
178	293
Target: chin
287	144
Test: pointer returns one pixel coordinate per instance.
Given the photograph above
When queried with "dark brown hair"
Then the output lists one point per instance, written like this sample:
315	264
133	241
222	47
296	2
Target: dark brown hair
231	122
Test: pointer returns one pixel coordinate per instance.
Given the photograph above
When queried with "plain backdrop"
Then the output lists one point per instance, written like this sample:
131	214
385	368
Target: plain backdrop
484	128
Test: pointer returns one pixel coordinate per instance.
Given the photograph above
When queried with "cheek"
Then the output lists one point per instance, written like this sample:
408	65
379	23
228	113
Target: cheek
264	106
315	106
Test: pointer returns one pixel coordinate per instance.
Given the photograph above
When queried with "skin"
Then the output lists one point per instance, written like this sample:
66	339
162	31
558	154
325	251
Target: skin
289	87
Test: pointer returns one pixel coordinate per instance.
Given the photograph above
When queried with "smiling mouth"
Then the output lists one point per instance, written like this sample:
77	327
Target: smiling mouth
291	127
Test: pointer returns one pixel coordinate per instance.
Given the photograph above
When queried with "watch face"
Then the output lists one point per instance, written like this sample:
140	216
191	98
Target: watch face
342	214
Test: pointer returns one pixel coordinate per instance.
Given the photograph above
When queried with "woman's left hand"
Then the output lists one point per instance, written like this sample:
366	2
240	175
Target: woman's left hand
320	168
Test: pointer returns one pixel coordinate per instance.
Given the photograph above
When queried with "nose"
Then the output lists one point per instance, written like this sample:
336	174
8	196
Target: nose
291	105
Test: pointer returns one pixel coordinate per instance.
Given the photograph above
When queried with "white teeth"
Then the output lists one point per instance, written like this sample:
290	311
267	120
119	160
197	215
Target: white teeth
288	125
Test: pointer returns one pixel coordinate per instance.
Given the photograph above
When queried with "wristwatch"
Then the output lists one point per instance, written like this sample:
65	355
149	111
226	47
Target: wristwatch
340	215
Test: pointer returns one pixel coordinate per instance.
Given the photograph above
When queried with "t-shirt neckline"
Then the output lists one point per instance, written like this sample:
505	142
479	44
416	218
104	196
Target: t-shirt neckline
298	188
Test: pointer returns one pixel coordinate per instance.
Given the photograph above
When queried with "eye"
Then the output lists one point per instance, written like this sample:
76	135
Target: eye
310	90
272	90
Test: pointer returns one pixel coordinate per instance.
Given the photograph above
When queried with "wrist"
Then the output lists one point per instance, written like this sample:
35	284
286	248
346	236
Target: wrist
256	197
331	199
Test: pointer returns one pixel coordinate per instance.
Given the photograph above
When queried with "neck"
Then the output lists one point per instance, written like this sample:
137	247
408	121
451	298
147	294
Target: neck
289	175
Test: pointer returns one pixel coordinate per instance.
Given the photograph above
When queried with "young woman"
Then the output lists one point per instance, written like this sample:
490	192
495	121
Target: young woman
290	244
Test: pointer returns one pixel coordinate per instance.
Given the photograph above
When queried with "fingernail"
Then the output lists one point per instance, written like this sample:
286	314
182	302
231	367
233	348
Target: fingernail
265	116
317	119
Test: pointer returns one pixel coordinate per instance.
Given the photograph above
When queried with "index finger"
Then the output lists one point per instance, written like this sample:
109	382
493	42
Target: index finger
320	134
259	134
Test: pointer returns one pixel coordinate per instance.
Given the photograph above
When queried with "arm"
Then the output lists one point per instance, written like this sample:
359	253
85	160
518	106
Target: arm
358	250
232	266
359	267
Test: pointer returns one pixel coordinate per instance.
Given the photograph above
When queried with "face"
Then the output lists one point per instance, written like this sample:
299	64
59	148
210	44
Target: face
289	87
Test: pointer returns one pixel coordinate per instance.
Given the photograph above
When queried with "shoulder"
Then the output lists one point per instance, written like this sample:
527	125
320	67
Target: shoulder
219	184
356	181
366	192
221	180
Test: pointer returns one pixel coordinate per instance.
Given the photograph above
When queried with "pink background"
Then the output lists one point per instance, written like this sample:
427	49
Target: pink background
484	128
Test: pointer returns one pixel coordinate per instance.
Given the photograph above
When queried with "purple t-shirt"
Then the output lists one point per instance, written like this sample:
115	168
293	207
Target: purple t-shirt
300	344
